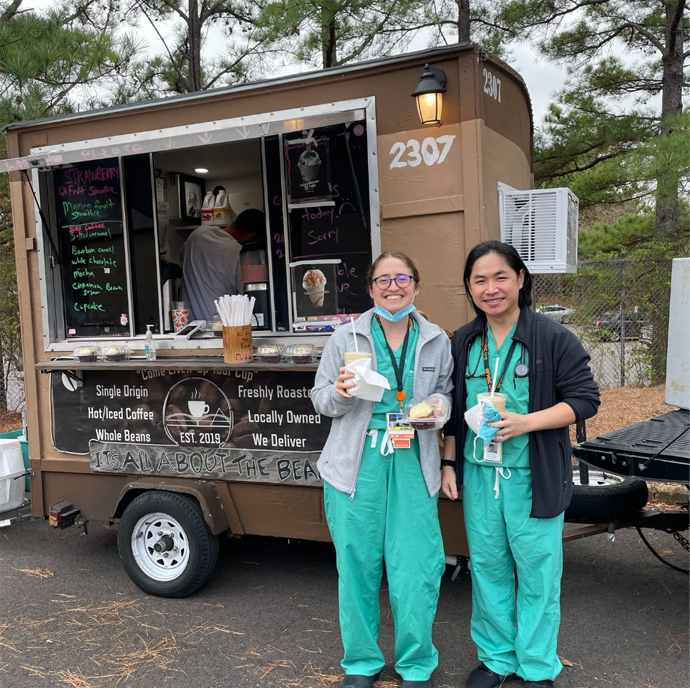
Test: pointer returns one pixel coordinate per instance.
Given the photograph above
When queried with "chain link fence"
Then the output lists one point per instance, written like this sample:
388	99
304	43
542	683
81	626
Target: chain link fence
619	310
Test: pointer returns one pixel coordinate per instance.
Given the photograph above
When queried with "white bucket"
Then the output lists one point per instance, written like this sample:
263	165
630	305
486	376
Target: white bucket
221	210
11	468
207	208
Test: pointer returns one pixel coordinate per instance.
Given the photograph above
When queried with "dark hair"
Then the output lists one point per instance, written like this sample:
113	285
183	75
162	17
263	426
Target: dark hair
251	221
393	254
512	259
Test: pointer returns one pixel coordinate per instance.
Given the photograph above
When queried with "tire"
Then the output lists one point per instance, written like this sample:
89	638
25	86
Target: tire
175	524
608	496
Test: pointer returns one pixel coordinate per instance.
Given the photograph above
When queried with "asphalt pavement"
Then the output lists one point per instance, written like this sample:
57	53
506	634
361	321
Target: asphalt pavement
70	616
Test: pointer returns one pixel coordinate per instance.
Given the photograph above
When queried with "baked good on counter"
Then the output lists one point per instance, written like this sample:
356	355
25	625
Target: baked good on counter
300	353
116	352
86	354
267	353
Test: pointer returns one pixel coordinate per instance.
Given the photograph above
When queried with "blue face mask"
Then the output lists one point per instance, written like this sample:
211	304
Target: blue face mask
394	317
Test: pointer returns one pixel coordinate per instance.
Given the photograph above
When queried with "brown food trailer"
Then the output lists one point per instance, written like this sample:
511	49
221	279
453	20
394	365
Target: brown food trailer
186	447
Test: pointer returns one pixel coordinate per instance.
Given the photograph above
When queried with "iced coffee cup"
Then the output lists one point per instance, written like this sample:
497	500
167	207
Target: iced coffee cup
498	400
352	356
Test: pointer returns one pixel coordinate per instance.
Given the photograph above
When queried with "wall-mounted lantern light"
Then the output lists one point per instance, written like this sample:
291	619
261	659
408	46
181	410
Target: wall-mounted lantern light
429	95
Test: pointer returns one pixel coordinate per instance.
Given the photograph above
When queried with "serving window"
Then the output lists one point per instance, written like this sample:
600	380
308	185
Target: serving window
115	227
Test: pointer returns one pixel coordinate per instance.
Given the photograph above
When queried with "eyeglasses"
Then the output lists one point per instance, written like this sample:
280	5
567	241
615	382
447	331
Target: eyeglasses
384	281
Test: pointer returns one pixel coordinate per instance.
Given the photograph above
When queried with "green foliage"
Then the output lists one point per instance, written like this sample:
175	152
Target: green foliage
183	68
44	61
604	137
330	33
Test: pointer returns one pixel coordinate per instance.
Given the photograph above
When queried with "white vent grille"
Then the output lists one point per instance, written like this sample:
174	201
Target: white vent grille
542	226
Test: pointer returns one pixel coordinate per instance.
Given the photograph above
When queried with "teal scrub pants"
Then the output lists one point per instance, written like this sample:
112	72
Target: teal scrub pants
391	517
512	633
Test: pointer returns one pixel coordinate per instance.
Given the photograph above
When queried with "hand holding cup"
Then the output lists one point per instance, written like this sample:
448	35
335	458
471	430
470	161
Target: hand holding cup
343	382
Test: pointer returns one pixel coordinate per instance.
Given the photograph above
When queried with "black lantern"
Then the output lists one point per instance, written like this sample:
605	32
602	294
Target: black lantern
429	95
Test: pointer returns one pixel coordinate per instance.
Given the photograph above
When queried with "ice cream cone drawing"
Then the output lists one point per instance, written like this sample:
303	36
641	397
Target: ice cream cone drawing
314	284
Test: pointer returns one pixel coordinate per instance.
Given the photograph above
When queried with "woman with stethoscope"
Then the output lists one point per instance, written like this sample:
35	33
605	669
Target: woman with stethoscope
517	484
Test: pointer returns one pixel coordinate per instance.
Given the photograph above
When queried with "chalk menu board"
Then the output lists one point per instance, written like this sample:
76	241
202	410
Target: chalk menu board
90	229
343	229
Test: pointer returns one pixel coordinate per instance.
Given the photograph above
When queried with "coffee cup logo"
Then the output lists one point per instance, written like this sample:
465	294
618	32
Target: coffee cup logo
198	408
197	412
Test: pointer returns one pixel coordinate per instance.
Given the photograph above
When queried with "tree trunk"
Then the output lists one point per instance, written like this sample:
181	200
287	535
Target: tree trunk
328	38
194	29
463	20
671	105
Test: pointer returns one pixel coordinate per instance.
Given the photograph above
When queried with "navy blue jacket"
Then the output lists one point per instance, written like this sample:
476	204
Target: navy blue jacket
558	371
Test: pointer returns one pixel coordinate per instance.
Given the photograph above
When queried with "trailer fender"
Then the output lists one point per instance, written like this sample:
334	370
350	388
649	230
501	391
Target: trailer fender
204	491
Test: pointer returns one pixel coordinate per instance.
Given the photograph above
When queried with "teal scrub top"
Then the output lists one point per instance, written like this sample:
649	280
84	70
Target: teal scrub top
515	449
389	404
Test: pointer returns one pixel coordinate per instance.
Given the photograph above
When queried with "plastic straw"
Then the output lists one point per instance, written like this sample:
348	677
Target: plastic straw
354	332
493	382
236	310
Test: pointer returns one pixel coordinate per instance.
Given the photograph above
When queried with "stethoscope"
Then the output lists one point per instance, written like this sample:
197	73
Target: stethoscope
520	370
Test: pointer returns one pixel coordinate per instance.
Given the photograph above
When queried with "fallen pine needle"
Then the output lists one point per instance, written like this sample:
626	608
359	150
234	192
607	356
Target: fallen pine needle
39	573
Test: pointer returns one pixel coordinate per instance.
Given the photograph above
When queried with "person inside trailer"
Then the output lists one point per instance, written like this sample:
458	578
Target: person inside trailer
211	262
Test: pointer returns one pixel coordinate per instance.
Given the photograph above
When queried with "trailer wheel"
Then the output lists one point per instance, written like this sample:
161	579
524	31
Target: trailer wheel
165	545
608	496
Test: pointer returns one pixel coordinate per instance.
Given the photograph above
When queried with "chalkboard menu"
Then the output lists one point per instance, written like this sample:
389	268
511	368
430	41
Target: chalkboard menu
340	228
89	213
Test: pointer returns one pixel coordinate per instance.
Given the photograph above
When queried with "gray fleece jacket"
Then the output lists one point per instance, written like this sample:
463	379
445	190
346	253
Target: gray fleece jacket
342	454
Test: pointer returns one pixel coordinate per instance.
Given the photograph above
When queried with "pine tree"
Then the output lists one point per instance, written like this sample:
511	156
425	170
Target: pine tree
595	139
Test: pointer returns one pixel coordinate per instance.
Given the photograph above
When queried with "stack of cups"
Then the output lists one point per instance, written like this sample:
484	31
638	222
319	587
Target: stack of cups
180	315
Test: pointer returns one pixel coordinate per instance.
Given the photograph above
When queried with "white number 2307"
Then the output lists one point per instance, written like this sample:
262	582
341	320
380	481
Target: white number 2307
428	151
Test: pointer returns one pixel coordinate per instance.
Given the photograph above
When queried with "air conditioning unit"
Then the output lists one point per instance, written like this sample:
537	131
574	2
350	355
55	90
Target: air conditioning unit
541	224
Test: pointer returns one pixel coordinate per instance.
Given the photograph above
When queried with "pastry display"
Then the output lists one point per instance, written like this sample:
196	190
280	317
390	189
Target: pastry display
116	352
86	354
267	353
300	353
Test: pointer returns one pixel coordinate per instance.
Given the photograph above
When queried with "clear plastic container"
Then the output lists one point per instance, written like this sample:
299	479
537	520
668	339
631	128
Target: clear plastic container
86	354
431	413
268	353
300	353
116	352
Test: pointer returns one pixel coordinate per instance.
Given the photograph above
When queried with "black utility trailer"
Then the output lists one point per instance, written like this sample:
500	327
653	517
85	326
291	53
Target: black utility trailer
612	474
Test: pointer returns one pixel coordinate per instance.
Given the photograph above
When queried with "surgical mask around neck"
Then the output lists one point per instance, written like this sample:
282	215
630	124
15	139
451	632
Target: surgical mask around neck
394	317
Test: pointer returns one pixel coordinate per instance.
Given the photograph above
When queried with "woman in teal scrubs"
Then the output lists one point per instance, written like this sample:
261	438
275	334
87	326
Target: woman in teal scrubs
514	497
380	499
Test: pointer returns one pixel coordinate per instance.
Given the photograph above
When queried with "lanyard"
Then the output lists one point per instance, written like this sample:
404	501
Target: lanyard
487	372
399	369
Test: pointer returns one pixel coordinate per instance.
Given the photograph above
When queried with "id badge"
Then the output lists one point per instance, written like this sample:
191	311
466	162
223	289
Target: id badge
400	433
493	452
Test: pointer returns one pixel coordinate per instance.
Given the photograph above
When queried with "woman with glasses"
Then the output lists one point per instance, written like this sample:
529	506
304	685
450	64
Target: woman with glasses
517	485
381	502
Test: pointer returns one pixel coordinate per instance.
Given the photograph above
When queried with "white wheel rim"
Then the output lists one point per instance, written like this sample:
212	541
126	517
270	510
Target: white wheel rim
598	478
162	529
